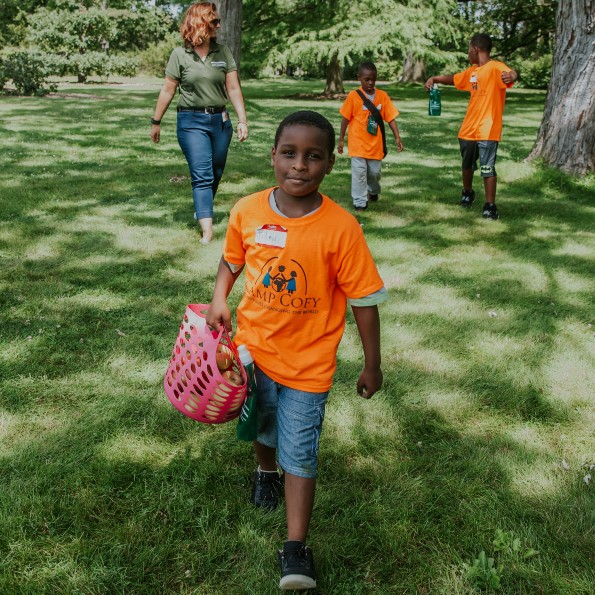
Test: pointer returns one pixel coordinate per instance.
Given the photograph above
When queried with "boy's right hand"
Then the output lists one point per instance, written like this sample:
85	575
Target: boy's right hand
429	84
219	314
340	147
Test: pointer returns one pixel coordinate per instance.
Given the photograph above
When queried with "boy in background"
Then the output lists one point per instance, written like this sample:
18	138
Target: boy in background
366	143
481	130
319	260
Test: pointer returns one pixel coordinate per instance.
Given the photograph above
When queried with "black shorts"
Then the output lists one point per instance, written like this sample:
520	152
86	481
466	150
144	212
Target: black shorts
484	150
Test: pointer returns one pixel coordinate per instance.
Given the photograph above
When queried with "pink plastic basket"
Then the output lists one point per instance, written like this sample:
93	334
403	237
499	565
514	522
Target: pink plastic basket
193	382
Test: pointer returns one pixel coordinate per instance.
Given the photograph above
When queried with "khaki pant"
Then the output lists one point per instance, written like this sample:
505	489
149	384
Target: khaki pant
365	179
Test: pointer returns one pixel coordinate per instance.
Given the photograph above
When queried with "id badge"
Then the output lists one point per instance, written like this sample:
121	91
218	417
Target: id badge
372	125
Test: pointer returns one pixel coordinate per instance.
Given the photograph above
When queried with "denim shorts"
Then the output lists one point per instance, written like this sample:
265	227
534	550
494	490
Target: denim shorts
484	150
290	420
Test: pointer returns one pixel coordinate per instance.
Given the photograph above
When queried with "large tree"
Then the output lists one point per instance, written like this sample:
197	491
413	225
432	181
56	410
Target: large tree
231	26
327	35
566	138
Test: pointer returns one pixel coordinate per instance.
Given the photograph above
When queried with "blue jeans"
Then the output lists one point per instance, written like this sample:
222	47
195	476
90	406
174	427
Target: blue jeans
290	420
204	139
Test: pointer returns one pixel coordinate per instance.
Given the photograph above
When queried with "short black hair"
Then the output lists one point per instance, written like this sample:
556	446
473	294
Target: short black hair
308	118
367	66
482	42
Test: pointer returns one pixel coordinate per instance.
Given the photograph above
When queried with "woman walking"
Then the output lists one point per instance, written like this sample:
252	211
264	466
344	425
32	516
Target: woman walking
206	75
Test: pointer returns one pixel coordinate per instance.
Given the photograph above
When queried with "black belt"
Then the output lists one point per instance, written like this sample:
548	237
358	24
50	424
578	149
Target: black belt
203	110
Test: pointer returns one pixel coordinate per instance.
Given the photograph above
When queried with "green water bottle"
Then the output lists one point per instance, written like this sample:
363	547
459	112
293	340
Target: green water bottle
434	105
247	428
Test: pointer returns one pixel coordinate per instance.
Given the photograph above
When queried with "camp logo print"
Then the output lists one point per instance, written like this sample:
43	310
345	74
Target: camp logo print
283	287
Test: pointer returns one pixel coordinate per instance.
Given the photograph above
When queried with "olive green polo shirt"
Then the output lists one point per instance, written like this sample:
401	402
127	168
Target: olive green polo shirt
202	82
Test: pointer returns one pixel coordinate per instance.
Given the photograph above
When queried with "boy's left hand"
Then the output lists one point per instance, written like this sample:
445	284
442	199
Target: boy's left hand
369	382
399	144
509	77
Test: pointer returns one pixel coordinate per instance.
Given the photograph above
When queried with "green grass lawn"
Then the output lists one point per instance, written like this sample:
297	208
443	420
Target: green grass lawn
481	440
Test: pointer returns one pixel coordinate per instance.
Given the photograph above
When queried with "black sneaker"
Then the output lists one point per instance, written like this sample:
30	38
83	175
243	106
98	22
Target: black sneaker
373	197
467	198
297	567
266	488
360	208
490	211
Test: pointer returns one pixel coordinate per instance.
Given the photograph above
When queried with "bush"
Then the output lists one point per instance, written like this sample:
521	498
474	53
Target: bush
101	64
28	70
535	74
154	59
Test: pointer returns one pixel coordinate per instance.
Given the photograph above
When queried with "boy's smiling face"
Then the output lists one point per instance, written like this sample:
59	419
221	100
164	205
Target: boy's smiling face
301	160
367	79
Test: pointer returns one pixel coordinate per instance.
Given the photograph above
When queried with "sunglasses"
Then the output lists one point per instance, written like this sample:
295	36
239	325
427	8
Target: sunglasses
215	22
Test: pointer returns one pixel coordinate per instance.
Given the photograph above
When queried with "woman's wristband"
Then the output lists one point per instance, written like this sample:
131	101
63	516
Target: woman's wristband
243	123
155	122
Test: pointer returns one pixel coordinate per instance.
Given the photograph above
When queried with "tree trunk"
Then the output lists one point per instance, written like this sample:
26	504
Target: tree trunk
230	33
414	70
566	138
334	77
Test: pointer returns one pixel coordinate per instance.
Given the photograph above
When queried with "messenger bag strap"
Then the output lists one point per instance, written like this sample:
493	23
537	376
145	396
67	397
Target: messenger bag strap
377	116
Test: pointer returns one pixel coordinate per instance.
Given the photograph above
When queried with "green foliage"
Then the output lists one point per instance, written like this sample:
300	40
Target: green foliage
312	34
535	73
520	30
154	59
28	71
88	39
101	64
509	546
482	573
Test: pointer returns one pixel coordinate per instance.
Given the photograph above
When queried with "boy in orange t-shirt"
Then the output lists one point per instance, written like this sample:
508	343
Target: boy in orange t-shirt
481	130
365	141
305	258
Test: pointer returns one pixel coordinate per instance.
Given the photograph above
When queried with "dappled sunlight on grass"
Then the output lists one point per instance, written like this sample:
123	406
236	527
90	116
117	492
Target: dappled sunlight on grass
241	187
134	369
432	361
454	405
487	356
534	478
570	283
569	372
349	418
498	348
129	448
46	247
445	303
96	299
573	247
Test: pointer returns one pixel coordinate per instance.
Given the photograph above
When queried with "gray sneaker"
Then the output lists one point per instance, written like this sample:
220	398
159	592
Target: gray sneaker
297	567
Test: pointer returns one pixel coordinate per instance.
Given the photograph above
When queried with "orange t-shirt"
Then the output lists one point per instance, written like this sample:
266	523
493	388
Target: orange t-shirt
360	143
299	273
483	120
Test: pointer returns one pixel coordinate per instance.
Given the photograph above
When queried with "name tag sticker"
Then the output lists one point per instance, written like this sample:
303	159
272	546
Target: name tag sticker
473	78
271	235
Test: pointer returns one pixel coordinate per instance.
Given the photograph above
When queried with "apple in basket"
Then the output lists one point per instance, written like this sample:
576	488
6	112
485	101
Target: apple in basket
232	377
223	357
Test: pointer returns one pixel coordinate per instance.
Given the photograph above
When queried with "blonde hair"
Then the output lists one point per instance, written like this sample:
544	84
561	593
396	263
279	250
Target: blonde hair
196	26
